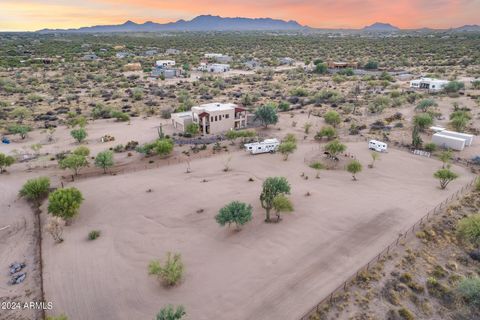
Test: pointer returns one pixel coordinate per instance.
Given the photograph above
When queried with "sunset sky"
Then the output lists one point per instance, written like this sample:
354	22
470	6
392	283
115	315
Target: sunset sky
29	15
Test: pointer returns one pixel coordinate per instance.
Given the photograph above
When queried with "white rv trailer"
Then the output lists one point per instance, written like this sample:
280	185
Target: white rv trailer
378	146
268	145
448	142
468	137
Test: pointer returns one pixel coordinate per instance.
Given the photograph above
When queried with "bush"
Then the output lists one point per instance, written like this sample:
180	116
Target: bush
267	114
64	203
422	120
5	161
469	290
19	129
406	314
354	167
94	234
171	272
120	116
371	65
79	134
171	313
326	131
235	212
104	160
192	129
445	176
430	147
454	86
468	228
286	148
332	118
35	189
73	162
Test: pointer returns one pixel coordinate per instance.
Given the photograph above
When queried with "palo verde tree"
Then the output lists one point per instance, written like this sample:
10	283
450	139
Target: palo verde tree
20	129
288	145
334	148
267	114
354	167
445	176
65	203
272	187
281	204
332	118
375	156
327	131
104	160
35	190
422	121
79	134
171	313
5	161
425	104
74	162
235	212
171	271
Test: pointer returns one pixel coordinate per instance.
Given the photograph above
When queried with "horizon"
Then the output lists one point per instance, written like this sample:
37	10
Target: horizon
322	14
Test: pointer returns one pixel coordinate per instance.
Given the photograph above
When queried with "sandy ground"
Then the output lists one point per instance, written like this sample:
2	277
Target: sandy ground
265	271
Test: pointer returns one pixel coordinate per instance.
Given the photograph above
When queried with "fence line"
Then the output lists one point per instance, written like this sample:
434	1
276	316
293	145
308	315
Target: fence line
331	297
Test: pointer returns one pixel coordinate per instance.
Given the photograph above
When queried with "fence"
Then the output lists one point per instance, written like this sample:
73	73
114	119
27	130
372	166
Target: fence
331	298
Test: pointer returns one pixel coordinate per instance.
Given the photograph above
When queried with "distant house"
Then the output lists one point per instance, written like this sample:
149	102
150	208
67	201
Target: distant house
428	84
151	52
286	61
172	51
165	63
218	57
212	118
342	64
214	67
167	73
252	64
90	57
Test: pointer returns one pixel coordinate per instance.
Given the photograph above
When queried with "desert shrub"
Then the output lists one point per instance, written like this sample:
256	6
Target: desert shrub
94	234
430	147
171	313
35	189
192	128
406	314
73	162
422	120
104	160
20	129
171	271
454	86
65	203
55	227
79	134
371	65
81	151
445	176
468	229
5	161
235	212
327	131
425	104
120	116
281	204
332	118
334	148
286	148
354	167
469	290
299	92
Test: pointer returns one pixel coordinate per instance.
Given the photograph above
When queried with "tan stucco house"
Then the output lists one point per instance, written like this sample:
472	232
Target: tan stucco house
212	118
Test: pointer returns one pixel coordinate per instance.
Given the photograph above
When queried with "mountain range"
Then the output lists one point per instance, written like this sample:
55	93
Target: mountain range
217	23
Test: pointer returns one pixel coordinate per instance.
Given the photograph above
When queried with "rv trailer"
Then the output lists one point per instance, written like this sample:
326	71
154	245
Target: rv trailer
378	146
268	145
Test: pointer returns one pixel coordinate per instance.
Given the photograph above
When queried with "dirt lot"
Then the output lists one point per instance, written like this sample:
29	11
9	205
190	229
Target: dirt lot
274	271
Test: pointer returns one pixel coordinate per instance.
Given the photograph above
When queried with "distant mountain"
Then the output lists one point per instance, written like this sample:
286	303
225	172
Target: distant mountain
381	27
200	23
468	27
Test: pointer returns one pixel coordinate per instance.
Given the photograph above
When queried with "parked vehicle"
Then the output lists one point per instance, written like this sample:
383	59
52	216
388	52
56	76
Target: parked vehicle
268	145
378	146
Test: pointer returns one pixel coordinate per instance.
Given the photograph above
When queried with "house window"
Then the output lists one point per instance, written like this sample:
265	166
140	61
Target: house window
211	119
216	118
226	116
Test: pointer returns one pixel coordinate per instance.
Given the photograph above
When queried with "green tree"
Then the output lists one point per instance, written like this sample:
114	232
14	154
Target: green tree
354	167
321	68
281	204
120	116
334	148
286	148
79	134
163	147
459	122
468	229
371	65
171	272
5	161
35	190
65	203
422	121
21	130
332	118
192	128
73	162
21	113
104	160
425	104
327	131
272	187
445	176
446	157
454	86
171	313
81	151
235	212
267	114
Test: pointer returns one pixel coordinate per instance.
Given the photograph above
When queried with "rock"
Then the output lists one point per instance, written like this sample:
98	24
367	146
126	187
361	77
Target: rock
475	255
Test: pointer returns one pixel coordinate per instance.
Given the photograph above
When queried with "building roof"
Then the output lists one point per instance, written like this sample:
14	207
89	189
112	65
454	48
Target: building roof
209	107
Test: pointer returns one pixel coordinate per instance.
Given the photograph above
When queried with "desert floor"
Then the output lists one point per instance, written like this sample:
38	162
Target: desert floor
265	271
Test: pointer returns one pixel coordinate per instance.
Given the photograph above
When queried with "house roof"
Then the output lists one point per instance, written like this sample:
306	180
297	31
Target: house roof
209	107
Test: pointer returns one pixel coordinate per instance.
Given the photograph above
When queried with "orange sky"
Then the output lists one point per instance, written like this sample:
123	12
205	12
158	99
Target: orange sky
28	15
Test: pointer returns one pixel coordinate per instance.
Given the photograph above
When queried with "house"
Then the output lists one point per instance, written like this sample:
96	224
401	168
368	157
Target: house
342	64
286	60
429	84
166	73
451	139
172	51
151	52
218	57
90	57
165	63
212	118
252	64
214	67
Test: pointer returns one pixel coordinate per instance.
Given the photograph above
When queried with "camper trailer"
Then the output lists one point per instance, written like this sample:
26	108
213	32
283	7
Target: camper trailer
268	145
378	146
